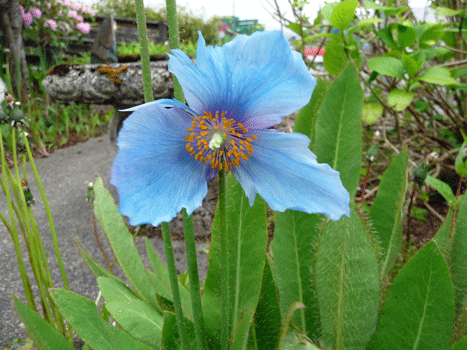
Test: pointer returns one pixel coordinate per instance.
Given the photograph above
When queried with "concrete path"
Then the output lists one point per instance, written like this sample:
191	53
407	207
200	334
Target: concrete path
65	175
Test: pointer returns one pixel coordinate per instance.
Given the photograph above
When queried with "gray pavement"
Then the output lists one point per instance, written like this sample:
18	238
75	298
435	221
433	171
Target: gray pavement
65	175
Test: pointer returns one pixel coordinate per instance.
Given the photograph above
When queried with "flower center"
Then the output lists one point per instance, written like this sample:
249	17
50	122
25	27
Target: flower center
219	140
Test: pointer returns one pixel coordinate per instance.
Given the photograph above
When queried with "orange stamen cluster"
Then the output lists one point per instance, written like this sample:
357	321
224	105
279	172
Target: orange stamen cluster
235	144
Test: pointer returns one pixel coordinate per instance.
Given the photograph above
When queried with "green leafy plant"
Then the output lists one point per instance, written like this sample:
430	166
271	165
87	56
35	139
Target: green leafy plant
322	284
336	270
21	223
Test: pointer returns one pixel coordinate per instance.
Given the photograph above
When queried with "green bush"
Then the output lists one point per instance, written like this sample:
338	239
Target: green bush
189	23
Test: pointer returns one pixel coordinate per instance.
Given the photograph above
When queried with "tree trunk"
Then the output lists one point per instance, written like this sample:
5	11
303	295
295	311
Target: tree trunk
11	23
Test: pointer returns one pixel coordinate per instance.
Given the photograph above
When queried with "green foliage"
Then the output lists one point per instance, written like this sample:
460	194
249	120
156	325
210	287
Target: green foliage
438	75
442	187
22	223
188	22
295	237
338	133
458	255
343	14
387	211
133	48
402	62
347	284
247	241
322	284
461	160
267	319
421	300
45	336
371	112
83	315
57	22
121	241
139	319
387	65
306	119
399	99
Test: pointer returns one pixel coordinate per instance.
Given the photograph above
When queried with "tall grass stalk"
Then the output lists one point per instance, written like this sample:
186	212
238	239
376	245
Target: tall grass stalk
22	220
49	213
13	229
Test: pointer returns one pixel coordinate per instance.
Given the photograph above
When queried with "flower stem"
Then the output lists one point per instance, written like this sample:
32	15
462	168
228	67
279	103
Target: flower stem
225	309
190	244
144	50
169	255
174	40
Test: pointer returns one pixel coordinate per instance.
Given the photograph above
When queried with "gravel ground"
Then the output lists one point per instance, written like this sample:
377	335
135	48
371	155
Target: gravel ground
65	175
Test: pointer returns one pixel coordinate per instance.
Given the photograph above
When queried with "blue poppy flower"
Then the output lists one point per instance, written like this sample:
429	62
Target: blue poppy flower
168	151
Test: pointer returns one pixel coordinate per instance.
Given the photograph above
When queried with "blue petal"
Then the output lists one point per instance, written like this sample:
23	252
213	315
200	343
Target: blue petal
285	173
256	79
164	102
154	174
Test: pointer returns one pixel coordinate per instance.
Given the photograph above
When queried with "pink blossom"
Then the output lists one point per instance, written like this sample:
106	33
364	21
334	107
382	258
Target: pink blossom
79	18
50	23
66	3
83	27
22	9
85	9
72	14
35	12
76	5
27	19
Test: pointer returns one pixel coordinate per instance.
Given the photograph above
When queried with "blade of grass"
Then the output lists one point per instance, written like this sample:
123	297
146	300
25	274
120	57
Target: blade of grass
14	232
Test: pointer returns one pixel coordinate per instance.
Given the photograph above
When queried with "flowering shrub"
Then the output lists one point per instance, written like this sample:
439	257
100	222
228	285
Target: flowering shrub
48	22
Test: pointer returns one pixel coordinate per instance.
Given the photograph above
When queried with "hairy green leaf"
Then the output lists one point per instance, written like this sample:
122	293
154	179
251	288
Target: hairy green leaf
139	319
114	290
306	119
335	58
295	237
338	134
83	316
347	283
461	344
419	308
170	336
121	241
442	187
387	211
267	316
44	336
161	282
458	255
247	236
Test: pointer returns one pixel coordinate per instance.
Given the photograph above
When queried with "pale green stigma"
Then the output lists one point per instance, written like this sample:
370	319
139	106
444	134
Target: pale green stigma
216	141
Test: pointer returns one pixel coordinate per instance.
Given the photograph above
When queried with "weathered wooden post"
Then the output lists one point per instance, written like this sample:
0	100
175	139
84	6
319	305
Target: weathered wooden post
104	47
11	24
